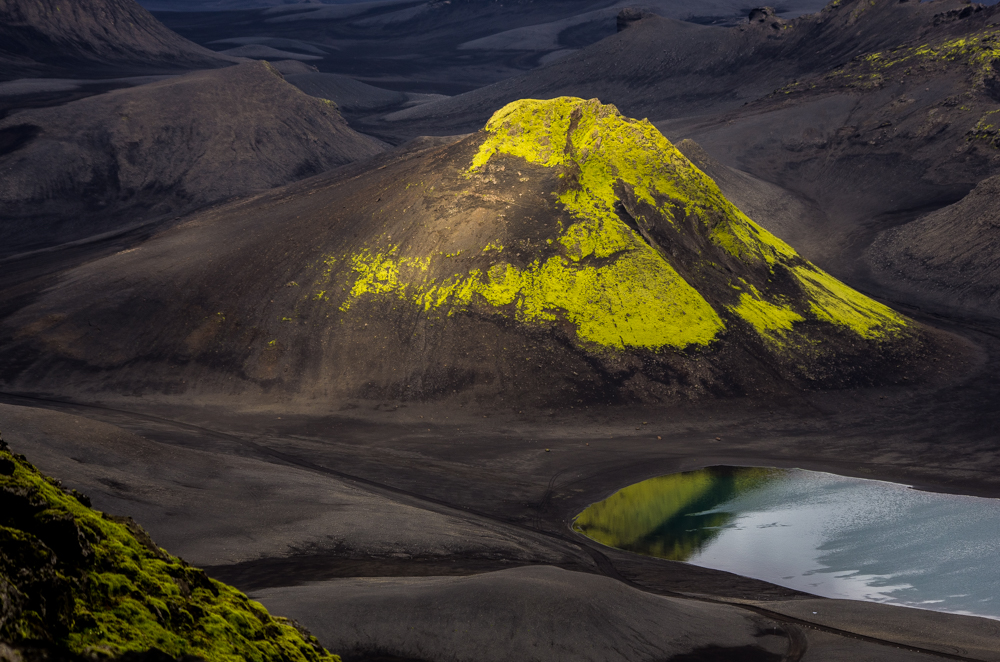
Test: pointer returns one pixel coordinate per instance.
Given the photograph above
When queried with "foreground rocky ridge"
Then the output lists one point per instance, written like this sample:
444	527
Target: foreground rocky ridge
565	253
76	583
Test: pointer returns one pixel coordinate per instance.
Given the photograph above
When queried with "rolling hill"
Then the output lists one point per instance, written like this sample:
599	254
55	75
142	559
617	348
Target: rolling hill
92	38
950	257
156	151
564	253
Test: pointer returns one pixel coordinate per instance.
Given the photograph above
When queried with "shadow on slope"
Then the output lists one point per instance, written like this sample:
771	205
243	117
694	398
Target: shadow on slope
950	257
539	613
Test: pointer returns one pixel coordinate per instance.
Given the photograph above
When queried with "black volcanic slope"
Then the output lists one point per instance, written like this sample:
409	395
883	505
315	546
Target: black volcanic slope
951	256
133	155
92	38
563	253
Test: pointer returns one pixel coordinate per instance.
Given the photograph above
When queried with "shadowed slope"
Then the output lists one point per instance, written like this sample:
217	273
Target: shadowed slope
564	252
92	38
539	613
134	155
951	256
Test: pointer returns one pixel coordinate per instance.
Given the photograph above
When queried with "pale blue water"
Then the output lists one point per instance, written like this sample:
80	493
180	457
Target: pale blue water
859	539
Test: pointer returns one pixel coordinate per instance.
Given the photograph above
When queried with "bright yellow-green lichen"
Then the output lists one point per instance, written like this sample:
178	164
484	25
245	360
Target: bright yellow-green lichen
634	301
987	128
977	52
607	147
771	321
836	303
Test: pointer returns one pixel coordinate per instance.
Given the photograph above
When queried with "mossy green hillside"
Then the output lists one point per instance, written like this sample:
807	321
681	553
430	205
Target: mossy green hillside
636	302
653	256
80	580
976	54
600	148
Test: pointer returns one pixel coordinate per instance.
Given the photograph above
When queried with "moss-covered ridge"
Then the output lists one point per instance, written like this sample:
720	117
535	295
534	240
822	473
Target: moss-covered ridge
75	579
652	256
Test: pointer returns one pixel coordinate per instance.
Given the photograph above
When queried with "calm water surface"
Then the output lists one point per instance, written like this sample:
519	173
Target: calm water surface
828	535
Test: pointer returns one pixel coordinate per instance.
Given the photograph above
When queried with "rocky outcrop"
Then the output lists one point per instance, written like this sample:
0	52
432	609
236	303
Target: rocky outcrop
761	14
630	15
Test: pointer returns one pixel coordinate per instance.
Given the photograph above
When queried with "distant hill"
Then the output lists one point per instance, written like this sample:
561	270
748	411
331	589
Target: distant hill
663	68
229	5
437	47
950	256
879	140
563	254
92	38
162	149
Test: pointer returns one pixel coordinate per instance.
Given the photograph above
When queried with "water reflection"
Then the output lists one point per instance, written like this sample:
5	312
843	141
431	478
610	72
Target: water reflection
671	517
825	534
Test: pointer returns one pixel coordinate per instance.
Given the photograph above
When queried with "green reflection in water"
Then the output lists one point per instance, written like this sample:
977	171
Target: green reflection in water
665	516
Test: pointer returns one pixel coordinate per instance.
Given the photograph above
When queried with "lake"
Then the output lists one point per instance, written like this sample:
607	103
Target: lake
821	533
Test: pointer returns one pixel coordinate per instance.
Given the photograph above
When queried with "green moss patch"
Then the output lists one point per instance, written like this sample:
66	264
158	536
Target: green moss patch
976	53
83	581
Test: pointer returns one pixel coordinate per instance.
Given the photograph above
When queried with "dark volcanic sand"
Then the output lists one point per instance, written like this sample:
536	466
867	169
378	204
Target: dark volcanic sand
272	499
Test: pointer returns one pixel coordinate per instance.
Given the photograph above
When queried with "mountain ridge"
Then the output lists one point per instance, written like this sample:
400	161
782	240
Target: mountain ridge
93	38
